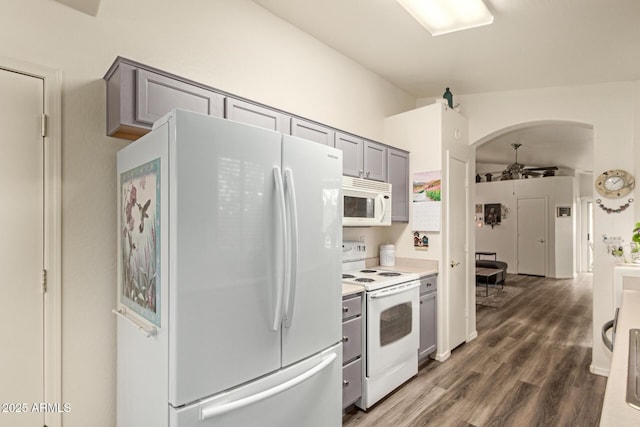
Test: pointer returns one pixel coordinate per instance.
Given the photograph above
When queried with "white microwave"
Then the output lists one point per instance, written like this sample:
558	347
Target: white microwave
366	203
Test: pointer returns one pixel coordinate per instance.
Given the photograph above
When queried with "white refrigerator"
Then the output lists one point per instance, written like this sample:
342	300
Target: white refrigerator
229	277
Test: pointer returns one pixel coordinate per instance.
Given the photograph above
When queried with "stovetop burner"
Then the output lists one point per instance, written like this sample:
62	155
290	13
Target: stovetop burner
348	276
364	280
368	271
390	274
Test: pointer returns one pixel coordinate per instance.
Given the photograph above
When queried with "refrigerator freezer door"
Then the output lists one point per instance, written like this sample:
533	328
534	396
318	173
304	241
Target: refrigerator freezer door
313	303
226	255
308	393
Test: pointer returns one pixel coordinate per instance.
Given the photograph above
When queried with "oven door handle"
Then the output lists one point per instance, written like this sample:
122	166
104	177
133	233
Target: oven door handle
395	290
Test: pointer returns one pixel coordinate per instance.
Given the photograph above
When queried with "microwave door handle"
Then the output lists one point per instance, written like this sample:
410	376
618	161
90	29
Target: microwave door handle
290	287
380	208
282	255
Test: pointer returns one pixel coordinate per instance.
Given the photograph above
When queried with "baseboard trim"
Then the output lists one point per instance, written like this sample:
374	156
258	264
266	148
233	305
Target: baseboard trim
441	357
598	371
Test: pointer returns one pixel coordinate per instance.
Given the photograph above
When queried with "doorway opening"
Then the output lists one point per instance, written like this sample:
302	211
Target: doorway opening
554	163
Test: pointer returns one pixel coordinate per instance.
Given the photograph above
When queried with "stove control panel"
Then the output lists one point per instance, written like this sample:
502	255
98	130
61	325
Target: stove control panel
353	250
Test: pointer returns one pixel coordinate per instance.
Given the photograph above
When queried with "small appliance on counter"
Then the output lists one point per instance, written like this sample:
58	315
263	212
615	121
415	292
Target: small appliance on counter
387	255
392	315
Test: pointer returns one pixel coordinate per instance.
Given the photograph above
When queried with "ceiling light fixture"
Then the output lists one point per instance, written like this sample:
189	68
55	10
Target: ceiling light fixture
447	16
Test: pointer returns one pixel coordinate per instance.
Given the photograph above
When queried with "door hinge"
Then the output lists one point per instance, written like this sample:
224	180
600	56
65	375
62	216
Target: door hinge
44	281
43	125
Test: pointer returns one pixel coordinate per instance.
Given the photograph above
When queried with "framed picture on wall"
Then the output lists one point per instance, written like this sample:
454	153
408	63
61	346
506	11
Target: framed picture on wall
492	213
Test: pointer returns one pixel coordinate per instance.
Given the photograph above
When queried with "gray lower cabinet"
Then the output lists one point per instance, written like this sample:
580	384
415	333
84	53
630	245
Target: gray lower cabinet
137	96
351	349
428	315
312	132
257	115
398	177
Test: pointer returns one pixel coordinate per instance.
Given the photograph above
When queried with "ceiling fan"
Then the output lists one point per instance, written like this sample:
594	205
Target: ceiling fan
519	171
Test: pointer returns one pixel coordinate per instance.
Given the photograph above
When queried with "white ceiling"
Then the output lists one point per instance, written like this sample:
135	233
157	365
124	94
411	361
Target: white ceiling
570	147
531	44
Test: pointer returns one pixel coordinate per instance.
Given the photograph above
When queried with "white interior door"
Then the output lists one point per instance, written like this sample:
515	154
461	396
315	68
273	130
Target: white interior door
457	241
21	248
532	236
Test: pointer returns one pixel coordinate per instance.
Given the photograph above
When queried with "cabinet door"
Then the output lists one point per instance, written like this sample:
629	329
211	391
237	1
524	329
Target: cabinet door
352	154
427	324
137	97
351	382
156	95
351	339
398	177
375	161
312	132
256	115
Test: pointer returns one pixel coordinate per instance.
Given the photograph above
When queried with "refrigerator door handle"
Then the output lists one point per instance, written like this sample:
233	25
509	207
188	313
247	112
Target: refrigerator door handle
215	410
281	256
290	287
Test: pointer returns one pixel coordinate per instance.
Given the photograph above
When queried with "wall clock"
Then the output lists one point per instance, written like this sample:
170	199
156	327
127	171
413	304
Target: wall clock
615	183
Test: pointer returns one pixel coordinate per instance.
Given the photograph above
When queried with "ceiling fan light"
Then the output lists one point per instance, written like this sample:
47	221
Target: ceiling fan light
446	16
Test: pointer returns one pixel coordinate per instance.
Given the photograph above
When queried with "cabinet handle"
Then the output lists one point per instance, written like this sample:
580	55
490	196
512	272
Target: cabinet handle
368	173
361	173
421	302
345	309
345	383
345	339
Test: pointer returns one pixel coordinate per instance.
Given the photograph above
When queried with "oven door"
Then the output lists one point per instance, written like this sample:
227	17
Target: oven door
393	317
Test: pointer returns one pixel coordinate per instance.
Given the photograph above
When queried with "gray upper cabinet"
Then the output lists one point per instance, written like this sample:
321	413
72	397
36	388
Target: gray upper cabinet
352	154
312	131
246	112
398	177
138	95
375	161
157	95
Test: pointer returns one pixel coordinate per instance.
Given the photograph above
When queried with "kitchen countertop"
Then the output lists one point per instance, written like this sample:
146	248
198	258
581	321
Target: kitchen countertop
615	410
348	289
408	265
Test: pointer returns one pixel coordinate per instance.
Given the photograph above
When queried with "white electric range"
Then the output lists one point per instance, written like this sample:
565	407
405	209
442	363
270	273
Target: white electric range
391	327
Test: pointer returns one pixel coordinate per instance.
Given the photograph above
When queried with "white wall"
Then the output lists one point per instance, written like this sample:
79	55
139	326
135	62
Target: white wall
412	131
415	132
235	46
502	239
612	109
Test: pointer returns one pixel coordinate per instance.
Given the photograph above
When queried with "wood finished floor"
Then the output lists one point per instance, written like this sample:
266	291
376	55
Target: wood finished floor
529	366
